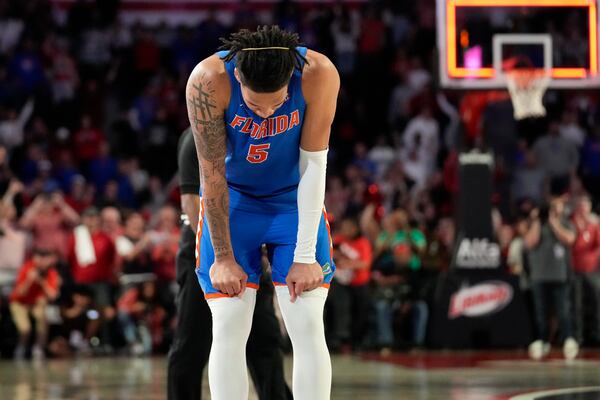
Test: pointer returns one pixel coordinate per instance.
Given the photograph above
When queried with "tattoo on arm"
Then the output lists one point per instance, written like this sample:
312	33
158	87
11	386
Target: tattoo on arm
202	102
208	127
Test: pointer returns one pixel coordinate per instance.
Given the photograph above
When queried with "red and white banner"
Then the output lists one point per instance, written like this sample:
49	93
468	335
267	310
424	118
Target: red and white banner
482	299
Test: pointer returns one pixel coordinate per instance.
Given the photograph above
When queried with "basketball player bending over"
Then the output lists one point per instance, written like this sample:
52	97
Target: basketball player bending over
261	114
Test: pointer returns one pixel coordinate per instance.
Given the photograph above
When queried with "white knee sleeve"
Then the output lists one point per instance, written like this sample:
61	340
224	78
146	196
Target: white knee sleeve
304	322
227	370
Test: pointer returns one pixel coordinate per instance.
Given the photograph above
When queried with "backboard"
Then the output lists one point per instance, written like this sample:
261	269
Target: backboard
479	39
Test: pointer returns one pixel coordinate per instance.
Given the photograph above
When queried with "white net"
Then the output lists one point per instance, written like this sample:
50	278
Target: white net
527	88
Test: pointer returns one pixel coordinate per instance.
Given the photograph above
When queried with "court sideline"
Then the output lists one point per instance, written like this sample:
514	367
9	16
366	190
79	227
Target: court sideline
419	376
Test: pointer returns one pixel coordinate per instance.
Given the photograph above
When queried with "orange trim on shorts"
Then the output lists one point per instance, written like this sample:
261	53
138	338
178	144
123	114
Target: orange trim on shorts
325	285
199	232
215	295
219	295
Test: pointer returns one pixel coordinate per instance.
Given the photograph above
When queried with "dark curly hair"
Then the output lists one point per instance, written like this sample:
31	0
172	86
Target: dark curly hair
265	70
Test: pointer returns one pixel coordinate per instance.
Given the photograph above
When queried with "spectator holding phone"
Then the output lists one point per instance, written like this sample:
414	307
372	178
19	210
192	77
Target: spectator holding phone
548	244
48	217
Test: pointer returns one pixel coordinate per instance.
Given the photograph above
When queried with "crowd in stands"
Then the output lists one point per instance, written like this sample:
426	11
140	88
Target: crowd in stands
91	110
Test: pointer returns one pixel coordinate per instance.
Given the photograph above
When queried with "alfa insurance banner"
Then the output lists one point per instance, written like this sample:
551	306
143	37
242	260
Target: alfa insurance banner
475	246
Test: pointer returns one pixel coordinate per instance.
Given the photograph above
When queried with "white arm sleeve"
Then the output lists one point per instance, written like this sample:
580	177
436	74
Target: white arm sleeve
311	196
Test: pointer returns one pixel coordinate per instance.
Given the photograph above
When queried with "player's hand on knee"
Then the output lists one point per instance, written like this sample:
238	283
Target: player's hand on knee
228	277
303	278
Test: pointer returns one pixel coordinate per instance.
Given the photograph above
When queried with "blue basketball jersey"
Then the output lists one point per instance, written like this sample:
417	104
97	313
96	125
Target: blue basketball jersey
262	159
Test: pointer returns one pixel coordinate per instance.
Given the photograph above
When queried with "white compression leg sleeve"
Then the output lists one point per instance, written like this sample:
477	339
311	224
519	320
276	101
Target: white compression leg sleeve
227	370
304	322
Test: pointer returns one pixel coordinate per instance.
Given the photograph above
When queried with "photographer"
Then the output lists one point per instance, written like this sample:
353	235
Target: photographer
548	244
37	284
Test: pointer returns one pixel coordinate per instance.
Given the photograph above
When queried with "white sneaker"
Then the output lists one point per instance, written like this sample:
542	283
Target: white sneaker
37	353
539	349
570	348
545	349
137	349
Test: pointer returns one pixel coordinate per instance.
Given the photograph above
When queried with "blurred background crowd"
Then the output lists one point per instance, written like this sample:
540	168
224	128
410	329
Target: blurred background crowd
91	110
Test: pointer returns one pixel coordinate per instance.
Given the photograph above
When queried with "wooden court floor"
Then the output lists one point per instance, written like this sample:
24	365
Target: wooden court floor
422	376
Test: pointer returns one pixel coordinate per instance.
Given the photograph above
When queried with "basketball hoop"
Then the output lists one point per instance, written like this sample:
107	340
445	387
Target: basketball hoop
527	88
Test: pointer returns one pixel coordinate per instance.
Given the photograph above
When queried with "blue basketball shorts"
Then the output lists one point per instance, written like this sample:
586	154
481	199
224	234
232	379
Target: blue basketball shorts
249	232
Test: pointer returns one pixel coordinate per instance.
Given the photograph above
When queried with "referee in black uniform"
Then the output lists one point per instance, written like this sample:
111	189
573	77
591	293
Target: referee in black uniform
191	347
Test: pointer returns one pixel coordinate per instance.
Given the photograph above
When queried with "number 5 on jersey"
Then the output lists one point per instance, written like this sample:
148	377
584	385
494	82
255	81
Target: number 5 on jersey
258	153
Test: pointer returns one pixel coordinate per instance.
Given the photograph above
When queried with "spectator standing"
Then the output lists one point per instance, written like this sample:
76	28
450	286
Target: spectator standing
5	172
345	34
64	74
25	67
111	222
336	197
586	255
399	249
421	145
164	245
408	244
387	279
103	167
516	260
13	241
529	180
92	257
11	28
49	217
87	141
94	52
37	284
81	195
590	162
548	242
12	126
570	129
382	155
132	246
349	296
557	156
440	243
367	167
146	55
